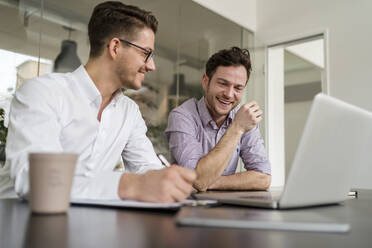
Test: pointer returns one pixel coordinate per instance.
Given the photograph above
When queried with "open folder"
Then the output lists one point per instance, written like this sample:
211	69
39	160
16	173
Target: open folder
139	204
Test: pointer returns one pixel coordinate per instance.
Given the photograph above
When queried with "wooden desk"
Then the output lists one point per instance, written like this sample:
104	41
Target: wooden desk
112	227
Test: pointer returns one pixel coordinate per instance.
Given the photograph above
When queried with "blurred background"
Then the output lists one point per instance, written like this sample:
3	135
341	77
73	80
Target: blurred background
42	36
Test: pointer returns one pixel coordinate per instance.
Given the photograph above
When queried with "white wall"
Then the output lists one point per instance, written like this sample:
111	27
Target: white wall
349	26
275	111
242	12
310	51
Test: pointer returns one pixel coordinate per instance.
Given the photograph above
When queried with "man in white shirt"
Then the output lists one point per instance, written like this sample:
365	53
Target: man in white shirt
85	112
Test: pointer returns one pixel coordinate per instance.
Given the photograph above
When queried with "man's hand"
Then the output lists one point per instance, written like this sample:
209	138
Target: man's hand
167	185
247	117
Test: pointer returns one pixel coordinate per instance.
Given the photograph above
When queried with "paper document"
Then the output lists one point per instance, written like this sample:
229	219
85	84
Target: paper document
139	204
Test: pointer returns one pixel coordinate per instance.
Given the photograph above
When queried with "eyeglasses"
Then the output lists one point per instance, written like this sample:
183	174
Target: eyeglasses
149	53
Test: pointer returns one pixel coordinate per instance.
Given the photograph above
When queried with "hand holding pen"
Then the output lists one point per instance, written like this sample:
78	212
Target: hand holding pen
163	160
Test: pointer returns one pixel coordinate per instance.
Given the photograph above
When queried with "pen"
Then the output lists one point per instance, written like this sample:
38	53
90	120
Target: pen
163	160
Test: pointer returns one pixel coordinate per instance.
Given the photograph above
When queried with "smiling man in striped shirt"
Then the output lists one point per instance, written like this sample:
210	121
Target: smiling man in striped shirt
209	135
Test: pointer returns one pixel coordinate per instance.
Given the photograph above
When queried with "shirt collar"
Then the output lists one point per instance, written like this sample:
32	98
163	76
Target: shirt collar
206	117
89	89
86	84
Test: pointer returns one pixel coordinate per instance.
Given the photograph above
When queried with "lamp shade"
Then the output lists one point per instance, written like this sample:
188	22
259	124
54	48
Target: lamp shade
67	60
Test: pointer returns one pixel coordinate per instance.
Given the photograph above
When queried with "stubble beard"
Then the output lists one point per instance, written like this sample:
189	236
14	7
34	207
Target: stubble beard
122	75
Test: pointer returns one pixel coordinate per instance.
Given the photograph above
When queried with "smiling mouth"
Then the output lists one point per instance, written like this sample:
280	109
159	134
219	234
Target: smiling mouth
223	102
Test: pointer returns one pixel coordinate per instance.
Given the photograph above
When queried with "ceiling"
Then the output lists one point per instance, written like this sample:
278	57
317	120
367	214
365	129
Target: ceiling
183	26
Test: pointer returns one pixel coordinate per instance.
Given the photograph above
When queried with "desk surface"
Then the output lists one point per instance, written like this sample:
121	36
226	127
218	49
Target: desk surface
113	227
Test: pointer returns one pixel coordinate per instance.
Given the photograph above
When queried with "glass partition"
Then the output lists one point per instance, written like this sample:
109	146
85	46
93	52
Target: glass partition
41	36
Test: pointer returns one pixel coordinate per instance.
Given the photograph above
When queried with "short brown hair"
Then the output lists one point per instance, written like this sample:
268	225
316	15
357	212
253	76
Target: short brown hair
110	19
234	56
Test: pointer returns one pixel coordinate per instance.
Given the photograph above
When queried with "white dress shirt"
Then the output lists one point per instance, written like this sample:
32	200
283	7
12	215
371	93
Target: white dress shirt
58	113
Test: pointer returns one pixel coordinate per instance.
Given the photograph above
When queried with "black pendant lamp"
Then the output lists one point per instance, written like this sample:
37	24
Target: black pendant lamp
67	60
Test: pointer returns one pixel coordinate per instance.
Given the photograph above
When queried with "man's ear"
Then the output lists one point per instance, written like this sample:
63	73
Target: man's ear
113	48
205	82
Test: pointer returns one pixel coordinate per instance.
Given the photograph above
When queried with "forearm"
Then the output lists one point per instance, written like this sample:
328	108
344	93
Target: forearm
248	180
167	185
211	166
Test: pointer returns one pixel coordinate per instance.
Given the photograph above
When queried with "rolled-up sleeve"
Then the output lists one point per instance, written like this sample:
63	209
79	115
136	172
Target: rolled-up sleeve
182	136
138	154
253	152
102	186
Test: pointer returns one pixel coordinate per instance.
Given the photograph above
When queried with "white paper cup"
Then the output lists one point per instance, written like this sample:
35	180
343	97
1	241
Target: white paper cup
51	176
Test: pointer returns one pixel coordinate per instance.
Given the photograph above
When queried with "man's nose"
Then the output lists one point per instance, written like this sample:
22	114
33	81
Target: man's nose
229	92
150	65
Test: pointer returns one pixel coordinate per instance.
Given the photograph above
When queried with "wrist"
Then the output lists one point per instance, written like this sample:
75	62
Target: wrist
200	186
127	186
236	129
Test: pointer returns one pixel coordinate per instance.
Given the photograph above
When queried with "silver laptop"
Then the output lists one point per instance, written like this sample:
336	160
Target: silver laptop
332	147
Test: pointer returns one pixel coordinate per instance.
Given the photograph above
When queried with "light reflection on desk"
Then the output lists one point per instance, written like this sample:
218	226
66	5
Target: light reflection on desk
47	231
